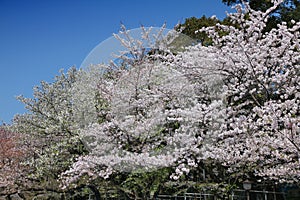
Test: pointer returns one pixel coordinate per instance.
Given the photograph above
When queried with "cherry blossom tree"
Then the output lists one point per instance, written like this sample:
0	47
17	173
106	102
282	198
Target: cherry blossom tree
261	69
50	110
55	114
147	115
12	154
230	106
254	114
258	118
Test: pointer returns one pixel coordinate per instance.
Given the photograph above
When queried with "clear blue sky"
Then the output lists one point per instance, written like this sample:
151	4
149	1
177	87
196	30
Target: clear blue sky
39	37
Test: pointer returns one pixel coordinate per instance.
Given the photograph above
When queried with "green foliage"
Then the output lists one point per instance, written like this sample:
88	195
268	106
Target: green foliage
255	4
193	24
142	184
289	9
